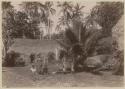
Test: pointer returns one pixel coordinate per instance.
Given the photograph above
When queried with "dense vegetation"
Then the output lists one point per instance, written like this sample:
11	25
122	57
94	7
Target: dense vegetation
81	36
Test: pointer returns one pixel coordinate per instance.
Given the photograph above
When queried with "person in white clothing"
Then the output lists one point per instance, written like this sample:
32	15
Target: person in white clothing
34	72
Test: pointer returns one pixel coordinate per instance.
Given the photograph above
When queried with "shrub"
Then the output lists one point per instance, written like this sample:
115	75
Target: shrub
10	59
20	61
104	45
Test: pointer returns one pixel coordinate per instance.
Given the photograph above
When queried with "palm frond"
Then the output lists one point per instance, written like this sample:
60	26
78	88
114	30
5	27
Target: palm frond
49	3
53	11
58	28
63	44
91	40
81	7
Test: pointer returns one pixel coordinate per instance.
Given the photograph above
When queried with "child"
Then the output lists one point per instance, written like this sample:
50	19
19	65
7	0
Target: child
45	66
34	73
39	63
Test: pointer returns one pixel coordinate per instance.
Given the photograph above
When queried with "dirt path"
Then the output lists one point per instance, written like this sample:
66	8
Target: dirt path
21	77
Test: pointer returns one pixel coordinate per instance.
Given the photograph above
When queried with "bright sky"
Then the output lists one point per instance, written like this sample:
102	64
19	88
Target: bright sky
87	8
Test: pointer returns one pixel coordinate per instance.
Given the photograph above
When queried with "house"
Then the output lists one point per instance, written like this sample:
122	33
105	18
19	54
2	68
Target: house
28	46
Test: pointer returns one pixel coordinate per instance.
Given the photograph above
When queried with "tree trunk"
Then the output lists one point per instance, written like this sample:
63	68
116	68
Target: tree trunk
49	29
4	52
33	34
23	34
80	34
49	33
40	35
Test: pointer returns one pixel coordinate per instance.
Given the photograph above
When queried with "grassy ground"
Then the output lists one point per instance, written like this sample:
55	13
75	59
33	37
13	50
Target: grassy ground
22	76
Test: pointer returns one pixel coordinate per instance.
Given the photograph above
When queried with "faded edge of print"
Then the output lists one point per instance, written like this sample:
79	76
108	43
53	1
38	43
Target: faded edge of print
62	44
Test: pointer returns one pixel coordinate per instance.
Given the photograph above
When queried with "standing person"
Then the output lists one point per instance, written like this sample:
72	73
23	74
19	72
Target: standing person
57	54
32	57
45	65
34	73
39	63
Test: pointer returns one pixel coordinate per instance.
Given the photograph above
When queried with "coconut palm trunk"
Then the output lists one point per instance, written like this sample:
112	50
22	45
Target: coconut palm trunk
40	35
23	35
80	34
34	34
49	30
4	52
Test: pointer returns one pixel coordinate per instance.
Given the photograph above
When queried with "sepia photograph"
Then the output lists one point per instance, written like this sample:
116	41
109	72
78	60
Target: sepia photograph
62	43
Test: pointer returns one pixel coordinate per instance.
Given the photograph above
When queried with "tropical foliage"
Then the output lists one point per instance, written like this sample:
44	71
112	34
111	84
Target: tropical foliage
7	26
91	37
80	36
105	14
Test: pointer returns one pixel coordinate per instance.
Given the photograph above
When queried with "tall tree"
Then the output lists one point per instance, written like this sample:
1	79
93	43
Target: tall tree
77	17
36	14
107	14
67	12
39	12
49	11
34	10
77	11
7	26
71	15
21	24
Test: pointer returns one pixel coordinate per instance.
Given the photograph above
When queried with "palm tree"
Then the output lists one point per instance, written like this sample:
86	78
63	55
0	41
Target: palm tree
70	41
66	10
85	41
35	12
49	11
77	12
7	26
39	12
65	19
107	14
77	15
70	15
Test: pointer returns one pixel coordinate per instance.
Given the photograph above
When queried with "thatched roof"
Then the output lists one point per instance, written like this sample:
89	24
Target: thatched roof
28	46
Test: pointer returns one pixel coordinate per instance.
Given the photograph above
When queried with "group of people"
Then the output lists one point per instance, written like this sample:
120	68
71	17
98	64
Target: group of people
39	64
